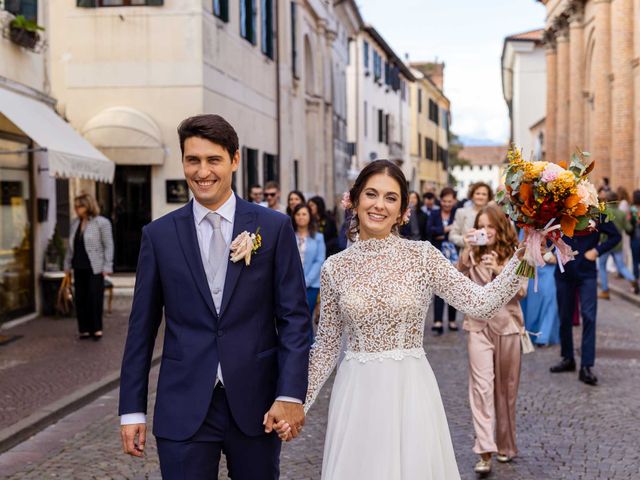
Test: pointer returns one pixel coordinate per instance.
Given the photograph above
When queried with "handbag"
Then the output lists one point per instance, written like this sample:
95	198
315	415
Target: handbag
64	302
526	343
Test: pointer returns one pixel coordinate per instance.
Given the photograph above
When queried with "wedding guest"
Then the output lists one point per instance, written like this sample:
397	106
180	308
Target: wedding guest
480	194
624	205
623	225
326	224
294	198
90	258
416	229
439	226
272	196
429	203
256	195
540	308
494	345
312	250
635	235
579	277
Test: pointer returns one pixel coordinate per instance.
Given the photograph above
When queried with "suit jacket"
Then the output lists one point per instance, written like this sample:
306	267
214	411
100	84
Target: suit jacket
98	242
314	256
435	227
580	267
260	338
463	222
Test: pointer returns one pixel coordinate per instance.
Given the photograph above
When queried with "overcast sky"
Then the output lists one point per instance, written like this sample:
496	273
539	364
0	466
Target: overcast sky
468	36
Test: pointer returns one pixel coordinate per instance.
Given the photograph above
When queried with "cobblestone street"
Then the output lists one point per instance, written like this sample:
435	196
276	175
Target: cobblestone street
566	430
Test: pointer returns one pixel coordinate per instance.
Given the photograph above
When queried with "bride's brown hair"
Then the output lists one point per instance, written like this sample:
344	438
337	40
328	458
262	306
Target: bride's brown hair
374	168
506	237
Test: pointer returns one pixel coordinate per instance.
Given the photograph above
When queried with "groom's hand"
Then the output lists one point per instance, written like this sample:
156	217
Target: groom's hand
129	434
290	412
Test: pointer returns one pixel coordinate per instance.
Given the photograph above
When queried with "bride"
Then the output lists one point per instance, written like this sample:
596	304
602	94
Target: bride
386	418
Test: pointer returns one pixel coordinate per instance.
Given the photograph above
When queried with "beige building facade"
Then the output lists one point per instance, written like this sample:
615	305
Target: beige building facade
430	121
271	67
593	85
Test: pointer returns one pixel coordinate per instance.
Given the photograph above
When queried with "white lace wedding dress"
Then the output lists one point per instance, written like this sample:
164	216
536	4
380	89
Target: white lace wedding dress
386	418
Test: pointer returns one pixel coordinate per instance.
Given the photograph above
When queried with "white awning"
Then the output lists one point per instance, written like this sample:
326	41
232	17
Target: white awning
127	136
69	155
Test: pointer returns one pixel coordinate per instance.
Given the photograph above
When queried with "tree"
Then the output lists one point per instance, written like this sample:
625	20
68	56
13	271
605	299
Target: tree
454	160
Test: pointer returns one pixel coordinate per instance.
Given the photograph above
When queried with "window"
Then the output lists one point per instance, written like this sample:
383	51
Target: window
380	126
248	20
386	129
271	167
118	3
377	66
419	145
434	113
365	119
444	114
267	27
365	53
221	9
27	8
387	74
419	100
250	159
439	154
296	174
428	149
294	39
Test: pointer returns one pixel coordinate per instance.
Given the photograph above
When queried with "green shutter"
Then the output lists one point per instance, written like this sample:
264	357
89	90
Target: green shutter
155	3
86	3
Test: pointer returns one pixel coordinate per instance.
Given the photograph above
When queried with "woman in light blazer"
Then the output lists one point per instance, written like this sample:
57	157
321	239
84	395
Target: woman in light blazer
312	250
90	256
480	194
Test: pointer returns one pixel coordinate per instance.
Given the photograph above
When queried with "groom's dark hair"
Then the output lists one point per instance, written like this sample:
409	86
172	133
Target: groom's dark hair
210	127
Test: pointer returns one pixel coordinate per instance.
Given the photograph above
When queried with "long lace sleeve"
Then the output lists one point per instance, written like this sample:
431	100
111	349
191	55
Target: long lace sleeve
326	348
466	295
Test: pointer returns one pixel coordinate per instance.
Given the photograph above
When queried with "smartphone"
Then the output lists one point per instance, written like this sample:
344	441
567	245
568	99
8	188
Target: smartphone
480	237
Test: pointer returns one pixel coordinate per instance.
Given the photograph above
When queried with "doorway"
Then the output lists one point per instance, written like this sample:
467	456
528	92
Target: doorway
127	203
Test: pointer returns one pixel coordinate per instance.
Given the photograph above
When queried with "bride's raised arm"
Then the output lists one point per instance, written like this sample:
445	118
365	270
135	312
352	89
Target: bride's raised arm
326	348
466	295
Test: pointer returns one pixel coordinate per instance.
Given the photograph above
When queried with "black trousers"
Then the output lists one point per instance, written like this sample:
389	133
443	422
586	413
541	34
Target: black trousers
89	290
439	310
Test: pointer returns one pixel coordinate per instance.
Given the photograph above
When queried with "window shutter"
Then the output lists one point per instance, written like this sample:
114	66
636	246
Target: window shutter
86	3
155	3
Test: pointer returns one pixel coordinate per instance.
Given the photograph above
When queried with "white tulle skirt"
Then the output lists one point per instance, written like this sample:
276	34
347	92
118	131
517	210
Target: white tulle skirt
386	421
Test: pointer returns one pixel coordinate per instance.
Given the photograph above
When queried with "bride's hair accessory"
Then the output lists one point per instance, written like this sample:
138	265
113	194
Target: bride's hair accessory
346	201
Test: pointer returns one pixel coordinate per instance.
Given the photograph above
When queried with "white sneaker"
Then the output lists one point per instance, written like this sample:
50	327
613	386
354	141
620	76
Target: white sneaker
503	458
483	466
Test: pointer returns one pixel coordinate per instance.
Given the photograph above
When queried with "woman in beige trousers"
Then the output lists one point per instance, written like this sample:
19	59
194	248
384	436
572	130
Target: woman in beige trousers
494	345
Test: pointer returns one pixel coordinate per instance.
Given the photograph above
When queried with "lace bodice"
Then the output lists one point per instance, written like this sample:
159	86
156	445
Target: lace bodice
378	292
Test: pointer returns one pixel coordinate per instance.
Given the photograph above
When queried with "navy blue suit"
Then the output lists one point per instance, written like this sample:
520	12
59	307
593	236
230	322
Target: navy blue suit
580	276
260	338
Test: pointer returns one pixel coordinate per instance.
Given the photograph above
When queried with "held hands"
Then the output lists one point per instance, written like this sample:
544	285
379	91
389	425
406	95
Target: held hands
490	260
470	238
286	418
591	255
130	445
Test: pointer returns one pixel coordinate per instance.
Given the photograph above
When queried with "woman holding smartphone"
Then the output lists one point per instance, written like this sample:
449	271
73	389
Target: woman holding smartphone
494	345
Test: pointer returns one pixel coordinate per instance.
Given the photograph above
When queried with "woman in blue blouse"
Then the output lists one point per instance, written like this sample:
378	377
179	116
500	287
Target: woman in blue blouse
312	250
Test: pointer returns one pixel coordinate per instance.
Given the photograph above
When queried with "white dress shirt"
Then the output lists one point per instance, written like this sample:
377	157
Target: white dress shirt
204	231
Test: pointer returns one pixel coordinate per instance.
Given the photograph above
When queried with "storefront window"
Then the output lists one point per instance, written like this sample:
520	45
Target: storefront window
16	236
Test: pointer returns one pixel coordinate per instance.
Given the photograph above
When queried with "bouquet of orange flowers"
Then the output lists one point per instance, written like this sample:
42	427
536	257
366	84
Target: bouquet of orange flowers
549	200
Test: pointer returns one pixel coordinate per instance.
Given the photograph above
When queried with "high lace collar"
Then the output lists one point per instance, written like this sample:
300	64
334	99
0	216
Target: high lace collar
376	244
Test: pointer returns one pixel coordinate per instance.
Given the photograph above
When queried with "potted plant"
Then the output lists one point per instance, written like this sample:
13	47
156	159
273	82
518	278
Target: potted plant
24	32
54	254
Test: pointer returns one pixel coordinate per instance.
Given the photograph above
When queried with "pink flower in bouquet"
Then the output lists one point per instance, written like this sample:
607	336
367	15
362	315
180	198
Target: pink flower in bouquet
551	172
588	193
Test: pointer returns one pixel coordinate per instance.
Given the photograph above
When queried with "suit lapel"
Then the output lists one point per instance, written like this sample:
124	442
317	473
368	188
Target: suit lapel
188	237
244	220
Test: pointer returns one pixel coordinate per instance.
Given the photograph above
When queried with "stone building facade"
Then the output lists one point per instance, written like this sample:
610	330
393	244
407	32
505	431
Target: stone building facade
593	85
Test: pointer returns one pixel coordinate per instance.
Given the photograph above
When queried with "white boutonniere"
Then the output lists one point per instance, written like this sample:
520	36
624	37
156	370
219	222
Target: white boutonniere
245	245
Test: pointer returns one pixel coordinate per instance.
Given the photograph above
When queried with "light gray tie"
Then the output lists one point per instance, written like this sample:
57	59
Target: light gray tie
217	246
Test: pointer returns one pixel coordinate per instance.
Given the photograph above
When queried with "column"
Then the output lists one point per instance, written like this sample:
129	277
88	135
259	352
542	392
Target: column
602	91
562	101
550	122
576	86
636	89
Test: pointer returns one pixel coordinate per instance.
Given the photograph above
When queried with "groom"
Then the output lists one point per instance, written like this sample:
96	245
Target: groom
236	341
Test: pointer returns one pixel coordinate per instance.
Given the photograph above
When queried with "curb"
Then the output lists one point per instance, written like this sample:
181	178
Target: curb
45	416
629	297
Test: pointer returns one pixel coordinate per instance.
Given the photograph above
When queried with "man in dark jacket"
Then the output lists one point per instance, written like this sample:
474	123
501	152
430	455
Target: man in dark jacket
580	277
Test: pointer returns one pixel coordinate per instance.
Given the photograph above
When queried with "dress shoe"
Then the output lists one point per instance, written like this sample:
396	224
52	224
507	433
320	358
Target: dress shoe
587	376
503	458
635	286
604	295
565	365
483	466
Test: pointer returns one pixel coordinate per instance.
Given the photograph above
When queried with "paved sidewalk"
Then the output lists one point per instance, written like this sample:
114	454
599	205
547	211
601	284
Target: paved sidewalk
566	430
